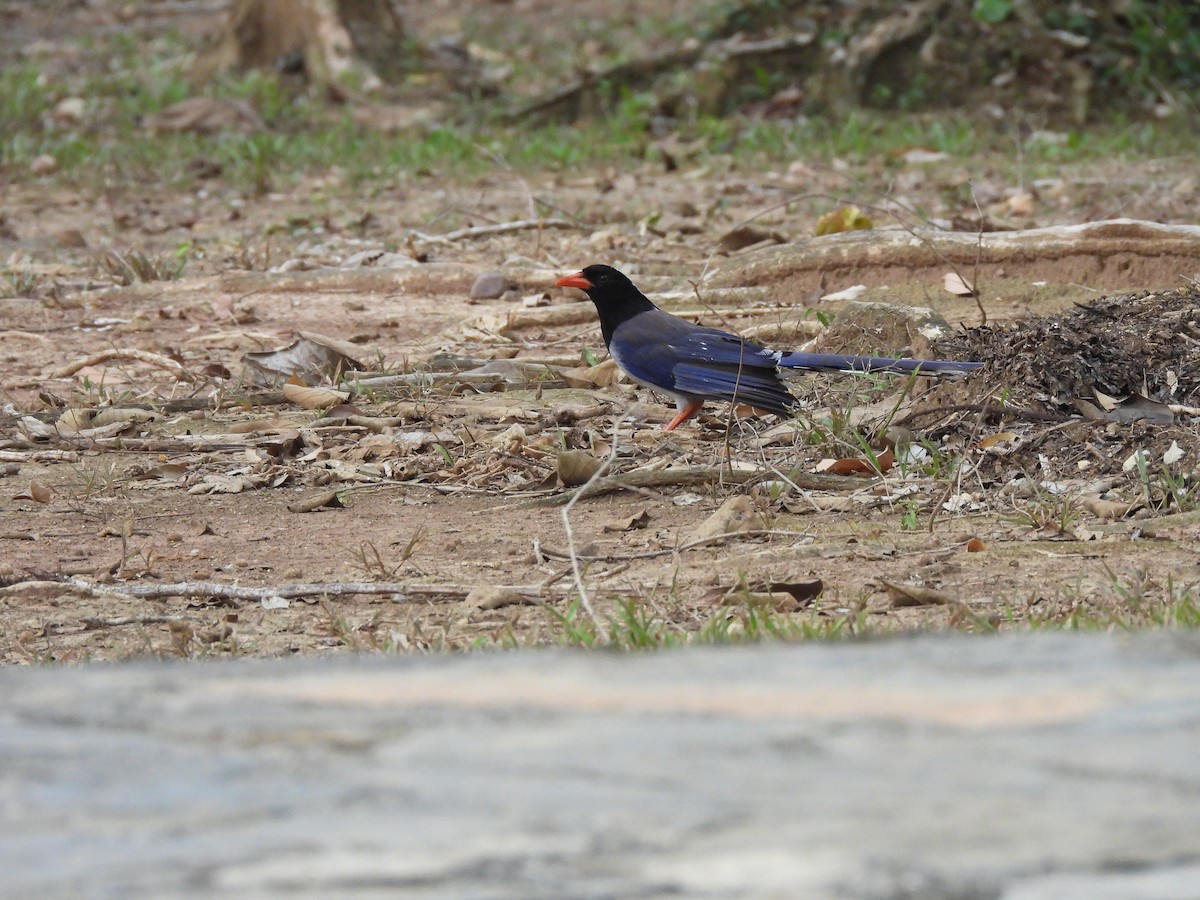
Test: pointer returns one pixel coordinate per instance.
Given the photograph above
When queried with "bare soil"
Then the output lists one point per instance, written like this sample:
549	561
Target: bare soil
450	488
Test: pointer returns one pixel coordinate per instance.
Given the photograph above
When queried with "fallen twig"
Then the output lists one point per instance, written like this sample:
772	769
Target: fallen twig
404	591
145	356
21	456
694	476
552	553
571	554
92	623
499	228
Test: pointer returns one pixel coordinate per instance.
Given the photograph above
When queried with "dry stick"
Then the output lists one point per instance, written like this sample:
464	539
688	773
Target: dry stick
693	476
287	591
504	163
153	359
93	622
499	228
566	518
976	293
958	473
737	383
668	551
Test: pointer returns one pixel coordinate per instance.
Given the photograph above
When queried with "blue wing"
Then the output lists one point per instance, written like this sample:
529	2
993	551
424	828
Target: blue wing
697	363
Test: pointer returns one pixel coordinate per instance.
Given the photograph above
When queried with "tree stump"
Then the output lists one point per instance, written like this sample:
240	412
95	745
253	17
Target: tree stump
356	44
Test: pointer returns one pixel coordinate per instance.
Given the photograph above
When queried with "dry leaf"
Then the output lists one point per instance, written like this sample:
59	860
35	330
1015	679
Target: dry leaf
575	467
253	426
957	285
747	236
736	514
914	595
125	415
1140	409
1107	509
858	466
600	375
37	492
223	484
326	500
313	398
163	470
73	420
781	596
312	357
1020	204
639	519
776	601
1002	437
1107	402
851	293
802	593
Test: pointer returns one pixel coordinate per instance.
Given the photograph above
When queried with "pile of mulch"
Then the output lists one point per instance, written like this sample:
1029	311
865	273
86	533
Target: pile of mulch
1146	343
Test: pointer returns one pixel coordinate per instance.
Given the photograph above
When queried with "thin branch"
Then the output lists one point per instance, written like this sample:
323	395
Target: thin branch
566	518
405	592
145	356
91	623
975	291
694	476
552	553
500	228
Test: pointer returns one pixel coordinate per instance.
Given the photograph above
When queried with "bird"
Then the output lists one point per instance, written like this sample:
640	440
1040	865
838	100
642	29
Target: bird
693	364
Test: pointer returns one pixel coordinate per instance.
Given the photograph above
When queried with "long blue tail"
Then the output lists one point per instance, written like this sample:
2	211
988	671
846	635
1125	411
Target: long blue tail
838	362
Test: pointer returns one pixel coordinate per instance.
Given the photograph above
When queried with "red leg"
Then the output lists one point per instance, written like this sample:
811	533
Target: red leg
683	415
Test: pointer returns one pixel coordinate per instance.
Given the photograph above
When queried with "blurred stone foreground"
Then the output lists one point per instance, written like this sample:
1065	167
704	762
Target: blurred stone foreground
1044	766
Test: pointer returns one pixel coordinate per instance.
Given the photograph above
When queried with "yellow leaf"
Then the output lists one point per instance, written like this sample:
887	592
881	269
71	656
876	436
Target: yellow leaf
957	285
844	218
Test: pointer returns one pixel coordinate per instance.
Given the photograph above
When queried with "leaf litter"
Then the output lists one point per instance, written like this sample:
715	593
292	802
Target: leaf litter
524	432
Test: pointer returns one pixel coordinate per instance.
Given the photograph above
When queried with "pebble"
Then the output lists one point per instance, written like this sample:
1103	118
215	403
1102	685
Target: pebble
43	165
70	109
489	286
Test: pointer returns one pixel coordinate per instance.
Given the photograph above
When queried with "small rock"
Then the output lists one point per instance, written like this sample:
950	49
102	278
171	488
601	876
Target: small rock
684	208
43	165
70	239
489	286
70	109
604	239
497	597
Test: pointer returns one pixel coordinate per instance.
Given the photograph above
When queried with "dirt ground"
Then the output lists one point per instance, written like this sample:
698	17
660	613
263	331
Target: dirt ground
1020	507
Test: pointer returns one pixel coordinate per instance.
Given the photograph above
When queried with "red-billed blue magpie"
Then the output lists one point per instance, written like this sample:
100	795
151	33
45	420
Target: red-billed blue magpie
693	364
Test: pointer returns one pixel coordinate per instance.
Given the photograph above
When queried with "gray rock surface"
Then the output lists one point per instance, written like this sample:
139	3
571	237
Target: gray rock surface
1021	768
